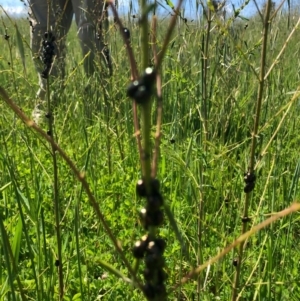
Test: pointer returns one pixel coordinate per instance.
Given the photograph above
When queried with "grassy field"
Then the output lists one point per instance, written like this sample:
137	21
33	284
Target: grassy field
212	86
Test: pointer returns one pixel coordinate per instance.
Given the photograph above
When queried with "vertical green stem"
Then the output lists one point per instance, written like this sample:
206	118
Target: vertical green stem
56	200
204	117
205	47
144	34
55	181
253	144
146	107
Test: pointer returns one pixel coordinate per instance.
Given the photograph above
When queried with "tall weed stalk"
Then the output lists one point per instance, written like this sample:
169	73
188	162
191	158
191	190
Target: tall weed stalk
250	177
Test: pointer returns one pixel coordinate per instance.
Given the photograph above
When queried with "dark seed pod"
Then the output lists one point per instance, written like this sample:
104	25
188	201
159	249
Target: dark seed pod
235	262
154	261
151	218
6	37
139	249
56	263
246	219
145	239
249	177
45	73
155	218
48	47
172	141
149	77
141	188
156	247
149	290
126	33
142	94
47	53
132	88
143	218
160	290
141	90
143	213
48	36
148	274
154	202
155	185
161	244
153	249
249	187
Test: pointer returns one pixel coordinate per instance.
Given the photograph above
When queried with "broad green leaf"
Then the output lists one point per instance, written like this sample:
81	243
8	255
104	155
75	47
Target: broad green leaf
76	297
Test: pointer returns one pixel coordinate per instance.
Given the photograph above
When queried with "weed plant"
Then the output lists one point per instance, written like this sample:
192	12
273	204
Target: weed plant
211	74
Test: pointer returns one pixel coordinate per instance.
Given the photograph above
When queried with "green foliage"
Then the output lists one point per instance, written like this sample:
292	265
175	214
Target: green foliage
104	148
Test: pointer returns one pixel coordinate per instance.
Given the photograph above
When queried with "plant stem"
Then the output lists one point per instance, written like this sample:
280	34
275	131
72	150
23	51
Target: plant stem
205	48
204	119
253	144
146	107
159	99
55	198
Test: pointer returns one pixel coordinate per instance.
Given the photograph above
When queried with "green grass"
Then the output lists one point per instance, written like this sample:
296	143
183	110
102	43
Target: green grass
196	168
